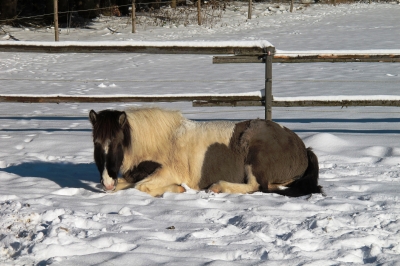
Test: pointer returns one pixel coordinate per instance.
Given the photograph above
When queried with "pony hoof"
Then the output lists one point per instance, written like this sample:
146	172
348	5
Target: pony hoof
216	188
143	188
181	189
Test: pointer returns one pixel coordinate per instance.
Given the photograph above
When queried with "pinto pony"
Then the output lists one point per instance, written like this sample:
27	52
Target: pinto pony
158	150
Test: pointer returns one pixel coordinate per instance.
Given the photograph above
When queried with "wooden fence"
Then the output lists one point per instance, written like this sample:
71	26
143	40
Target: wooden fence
173	5
239	52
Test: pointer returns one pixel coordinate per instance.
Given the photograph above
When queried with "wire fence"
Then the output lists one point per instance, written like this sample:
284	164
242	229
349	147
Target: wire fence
145	5
206	12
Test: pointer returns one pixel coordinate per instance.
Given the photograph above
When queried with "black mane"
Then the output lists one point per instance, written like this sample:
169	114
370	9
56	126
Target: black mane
107	127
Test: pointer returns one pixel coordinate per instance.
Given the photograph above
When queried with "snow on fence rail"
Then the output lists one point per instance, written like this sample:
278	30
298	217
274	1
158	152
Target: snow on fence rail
164	47
59	98
343	101
238	51
281	56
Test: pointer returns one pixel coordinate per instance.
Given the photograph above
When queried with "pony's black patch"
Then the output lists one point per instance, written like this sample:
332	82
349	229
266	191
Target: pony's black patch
108	124
141	171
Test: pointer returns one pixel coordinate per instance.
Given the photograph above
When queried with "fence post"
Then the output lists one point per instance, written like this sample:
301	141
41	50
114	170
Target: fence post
291	6
133	17
56	21
250	8
173	4
199	12
268	83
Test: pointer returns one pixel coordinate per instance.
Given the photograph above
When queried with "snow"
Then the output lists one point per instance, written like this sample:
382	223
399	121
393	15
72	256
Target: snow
52	210
340	98
102	85
339	52
258	43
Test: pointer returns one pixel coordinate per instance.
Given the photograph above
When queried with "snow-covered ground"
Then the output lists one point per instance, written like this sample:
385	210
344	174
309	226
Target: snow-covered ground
52	210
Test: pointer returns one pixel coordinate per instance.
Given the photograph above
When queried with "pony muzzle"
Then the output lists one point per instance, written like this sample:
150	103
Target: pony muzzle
109	184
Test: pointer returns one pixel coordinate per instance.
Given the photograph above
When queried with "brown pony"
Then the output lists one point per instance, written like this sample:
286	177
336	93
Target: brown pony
158	150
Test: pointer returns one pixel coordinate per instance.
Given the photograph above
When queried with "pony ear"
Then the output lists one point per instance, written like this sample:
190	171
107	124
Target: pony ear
122	119
92	117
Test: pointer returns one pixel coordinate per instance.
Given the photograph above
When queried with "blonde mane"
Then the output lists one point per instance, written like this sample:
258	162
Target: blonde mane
152	130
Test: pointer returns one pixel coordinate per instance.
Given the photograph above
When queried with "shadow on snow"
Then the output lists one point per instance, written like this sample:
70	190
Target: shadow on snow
64	174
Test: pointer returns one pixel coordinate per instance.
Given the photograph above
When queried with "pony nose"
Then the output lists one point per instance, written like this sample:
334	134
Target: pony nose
109	186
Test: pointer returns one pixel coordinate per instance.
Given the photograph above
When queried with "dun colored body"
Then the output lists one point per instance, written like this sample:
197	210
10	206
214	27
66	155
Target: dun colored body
159	150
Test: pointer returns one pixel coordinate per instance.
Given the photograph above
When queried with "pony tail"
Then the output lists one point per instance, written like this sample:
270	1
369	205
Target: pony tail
308	183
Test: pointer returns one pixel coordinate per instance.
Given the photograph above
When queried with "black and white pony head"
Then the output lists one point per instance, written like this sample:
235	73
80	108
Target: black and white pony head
111	136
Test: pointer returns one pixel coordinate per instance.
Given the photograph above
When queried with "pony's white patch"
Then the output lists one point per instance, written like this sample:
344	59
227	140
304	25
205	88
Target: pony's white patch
105	148
108	182
282	187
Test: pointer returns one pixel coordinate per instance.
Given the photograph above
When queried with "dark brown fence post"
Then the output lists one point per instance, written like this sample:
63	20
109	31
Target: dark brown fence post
199	12
268	83
56	21
133	17
250	8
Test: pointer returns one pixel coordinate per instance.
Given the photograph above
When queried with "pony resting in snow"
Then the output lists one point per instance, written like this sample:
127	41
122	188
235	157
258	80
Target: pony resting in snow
158	150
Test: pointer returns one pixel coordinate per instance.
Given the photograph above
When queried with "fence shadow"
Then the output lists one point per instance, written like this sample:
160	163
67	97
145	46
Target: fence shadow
64	174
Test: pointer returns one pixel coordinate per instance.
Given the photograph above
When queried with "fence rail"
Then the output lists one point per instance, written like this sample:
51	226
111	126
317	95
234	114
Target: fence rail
240	52
332	56
31	98
208	100
167	47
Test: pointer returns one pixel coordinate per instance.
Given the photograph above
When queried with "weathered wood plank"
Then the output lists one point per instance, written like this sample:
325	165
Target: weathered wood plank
197	100
237	59
343	103
301	103
224	104
386	56
125	98
380	59
151	49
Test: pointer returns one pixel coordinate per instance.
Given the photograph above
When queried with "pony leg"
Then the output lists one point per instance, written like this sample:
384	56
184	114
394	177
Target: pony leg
159	183
123	184
227	187
174	189
171	188
122	180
